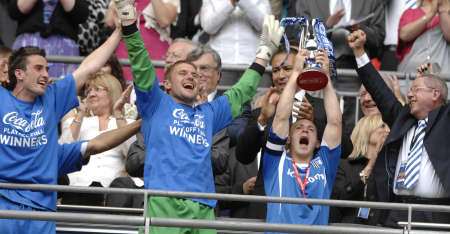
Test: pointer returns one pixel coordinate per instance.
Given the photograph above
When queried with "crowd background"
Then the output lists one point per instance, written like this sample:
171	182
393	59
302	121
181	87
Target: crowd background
401	35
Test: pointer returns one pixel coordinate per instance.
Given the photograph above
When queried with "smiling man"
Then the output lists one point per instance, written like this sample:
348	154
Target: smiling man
30	112
413	167
177	132
296	164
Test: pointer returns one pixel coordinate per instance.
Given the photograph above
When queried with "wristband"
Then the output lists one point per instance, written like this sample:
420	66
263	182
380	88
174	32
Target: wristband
76	121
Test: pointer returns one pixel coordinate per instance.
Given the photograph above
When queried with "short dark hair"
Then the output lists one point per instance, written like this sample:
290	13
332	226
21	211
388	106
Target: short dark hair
18	60
172	67
5	51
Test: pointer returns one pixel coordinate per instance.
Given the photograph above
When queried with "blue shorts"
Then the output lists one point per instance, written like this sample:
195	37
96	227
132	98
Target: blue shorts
16	226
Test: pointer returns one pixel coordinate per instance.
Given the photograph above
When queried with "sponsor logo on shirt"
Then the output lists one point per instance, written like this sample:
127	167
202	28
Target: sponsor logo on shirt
191	129
19	132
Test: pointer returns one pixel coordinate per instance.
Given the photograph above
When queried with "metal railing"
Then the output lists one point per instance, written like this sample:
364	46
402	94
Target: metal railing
227	225
232	67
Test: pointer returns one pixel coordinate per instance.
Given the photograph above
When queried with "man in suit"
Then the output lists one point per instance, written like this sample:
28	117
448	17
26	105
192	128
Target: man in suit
413	164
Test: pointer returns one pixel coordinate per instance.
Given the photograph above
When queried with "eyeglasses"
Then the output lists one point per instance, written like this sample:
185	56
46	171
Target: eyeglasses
97	89
415	89
206	69
285	68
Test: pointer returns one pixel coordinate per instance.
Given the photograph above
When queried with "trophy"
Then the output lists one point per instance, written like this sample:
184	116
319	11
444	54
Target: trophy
312	37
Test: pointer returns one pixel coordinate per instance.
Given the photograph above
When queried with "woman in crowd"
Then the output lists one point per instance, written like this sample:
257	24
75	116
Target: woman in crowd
51	25
351	180
424	34
101	110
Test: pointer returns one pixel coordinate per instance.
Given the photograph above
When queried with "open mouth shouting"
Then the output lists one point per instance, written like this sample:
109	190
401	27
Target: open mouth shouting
190	85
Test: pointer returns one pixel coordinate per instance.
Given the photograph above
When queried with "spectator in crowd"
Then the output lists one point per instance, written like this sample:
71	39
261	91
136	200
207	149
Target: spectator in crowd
178	50
155	19
5	52
336	13
233	27
424	34
29	149
105	101
7	26
280	8
296	164
353	172
92	31
394	9
414	169
191	127
237	179
52	25
188	21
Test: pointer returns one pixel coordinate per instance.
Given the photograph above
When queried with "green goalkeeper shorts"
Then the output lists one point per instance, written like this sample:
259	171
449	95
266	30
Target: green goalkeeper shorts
164	207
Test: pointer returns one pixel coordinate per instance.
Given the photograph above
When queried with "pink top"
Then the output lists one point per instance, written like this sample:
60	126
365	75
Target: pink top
155	47
409	16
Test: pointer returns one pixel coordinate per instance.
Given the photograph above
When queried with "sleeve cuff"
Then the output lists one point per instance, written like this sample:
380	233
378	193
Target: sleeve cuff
83	148
129	29
363	60
260	127
258	68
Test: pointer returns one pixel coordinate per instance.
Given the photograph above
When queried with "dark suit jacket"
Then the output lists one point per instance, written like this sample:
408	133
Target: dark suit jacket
231	182
400	120
61	22
374	28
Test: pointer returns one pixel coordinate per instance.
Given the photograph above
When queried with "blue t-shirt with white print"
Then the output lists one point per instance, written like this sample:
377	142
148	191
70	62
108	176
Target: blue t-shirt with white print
178	141
279	180
29	141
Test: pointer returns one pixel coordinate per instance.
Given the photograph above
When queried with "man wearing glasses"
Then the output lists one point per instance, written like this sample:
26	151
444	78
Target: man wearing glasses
413	164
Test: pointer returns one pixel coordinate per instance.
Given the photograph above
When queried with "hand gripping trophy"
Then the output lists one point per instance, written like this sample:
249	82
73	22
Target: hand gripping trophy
312	37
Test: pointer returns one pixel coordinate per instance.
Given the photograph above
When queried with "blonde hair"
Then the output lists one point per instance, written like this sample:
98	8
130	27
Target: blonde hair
361	134
109	82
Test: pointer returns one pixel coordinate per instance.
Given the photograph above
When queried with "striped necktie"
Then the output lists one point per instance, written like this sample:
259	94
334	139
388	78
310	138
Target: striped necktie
415	155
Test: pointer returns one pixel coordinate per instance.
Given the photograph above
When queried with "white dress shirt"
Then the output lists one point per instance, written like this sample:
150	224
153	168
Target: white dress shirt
234	30
103	167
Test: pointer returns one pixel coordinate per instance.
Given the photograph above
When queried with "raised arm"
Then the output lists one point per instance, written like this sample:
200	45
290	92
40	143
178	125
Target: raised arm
444	16
165	13
333	130
245	89
255	10
111	139
280	125
144	75
409	31
385	99
95	61
214	13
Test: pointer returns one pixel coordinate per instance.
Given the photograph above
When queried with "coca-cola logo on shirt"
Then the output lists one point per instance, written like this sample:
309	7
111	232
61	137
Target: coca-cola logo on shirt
18	122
